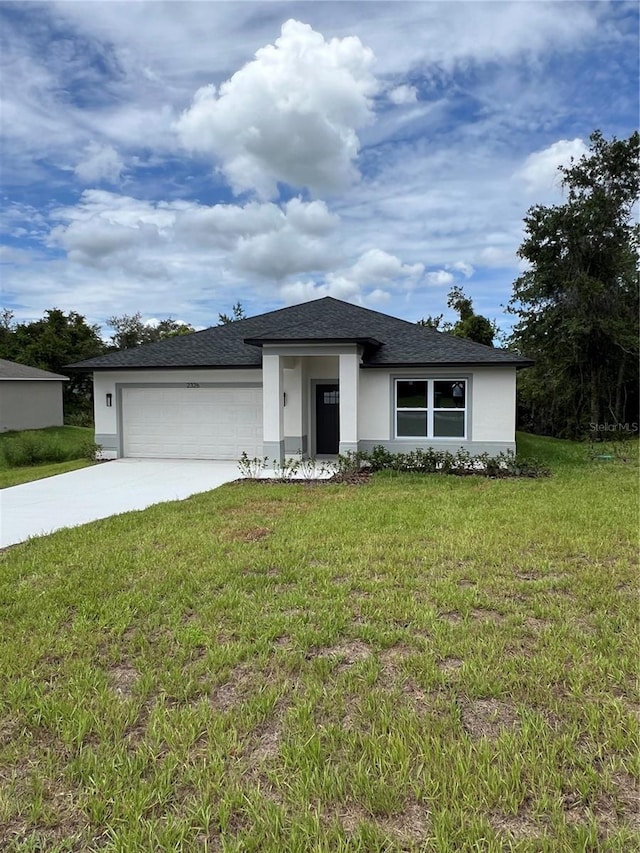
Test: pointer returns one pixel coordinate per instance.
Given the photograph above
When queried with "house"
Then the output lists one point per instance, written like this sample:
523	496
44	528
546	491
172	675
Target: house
29	398
318	378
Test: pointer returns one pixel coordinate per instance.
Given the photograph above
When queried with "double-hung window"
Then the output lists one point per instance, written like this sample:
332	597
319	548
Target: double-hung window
430	408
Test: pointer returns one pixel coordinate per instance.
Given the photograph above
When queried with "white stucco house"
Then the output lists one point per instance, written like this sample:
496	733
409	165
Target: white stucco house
29	398
313	379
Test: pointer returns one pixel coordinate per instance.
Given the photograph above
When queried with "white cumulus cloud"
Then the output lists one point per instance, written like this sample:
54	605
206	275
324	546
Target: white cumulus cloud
358	281
291	115
540	169
265	239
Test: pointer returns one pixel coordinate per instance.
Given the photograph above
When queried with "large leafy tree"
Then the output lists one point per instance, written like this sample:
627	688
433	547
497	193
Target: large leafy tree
131	331
51	343
470	325
577	303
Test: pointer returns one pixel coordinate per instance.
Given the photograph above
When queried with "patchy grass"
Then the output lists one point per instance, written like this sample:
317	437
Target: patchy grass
17	476
422	663
35	454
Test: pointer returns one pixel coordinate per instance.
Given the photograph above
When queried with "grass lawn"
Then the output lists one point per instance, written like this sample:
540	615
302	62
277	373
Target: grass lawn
423	663
67	445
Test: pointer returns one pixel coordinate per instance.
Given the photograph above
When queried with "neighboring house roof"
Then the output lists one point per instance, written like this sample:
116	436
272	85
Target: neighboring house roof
13	370
388	341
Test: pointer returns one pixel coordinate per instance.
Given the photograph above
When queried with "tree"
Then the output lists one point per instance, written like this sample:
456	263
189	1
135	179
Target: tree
578	303
470	325
131	331
53	342
237	314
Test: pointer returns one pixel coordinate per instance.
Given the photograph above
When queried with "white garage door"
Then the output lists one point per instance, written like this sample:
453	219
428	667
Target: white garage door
192	423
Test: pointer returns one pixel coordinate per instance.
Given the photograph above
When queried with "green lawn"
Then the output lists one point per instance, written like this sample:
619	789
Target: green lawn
423	663
56	449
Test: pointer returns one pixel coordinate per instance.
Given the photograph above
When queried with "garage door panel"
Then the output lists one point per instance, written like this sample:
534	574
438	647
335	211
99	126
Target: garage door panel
186	423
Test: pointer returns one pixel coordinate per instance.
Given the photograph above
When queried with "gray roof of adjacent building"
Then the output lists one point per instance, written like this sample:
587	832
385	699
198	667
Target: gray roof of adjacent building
387	341
12	370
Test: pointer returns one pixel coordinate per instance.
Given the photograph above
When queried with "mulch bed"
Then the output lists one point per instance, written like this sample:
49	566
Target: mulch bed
354	478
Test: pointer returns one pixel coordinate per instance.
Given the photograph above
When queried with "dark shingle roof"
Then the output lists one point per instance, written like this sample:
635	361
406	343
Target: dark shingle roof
13	370
389	342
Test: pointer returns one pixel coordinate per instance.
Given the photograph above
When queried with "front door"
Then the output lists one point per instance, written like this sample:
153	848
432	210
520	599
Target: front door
327	419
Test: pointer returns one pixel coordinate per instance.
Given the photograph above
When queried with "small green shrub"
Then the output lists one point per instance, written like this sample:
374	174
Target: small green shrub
252	468
33	449
350	462
285	470
461	463
79	418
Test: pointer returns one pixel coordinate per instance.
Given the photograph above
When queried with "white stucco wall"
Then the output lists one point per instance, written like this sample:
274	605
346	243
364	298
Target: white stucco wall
491	399
494	404
30	404
491	402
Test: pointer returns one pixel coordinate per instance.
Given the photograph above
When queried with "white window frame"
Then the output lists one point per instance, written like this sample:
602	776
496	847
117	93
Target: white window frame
430	408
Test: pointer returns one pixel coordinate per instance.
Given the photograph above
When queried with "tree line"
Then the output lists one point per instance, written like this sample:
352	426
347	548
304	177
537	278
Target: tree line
576	307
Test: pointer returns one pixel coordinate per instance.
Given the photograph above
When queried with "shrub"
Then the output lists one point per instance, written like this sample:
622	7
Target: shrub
30	448
79	419
285	470
350	462
461	463
252	467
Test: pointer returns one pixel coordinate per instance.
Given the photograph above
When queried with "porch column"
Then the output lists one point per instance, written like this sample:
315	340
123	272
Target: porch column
349	375
272	407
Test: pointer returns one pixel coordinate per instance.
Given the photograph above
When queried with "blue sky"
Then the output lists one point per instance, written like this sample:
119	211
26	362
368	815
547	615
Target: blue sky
174	158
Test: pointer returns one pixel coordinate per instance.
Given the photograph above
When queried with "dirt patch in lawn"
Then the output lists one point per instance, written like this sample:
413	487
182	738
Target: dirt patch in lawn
410	826
449	665
488	717
484	614
231	693
266	741
248	534
518	826
535	623
123	678
452	617
628	795
347	653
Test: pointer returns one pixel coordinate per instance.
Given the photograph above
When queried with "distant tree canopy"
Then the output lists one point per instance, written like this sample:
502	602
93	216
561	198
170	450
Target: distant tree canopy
577	304
237	313
51	343
470	325
131	331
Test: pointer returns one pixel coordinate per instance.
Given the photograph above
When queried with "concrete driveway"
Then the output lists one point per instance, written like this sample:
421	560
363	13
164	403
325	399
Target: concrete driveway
78	497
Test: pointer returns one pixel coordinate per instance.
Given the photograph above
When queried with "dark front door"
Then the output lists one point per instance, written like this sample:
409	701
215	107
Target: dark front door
327	419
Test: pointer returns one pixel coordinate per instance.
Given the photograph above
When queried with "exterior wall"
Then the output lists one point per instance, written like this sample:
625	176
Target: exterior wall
494	404
491	409
491	404
30	404
108	418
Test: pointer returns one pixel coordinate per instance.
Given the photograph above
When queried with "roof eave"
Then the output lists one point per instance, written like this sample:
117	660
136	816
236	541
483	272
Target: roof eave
80	368
517	363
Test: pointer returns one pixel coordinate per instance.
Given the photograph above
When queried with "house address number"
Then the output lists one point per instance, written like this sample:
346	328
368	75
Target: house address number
193	384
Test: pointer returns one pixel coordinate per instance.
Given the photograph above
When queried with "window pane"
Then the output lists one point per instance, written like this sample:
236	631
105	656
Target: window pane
448	424
331	398
412	395
412	423
449	395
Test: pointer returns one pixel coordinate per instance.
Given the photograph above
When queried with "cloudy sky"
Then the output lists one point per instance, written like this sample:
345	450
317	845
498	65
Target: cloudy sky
174	158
